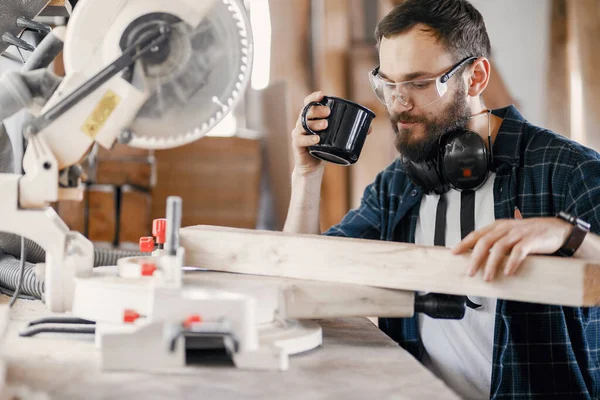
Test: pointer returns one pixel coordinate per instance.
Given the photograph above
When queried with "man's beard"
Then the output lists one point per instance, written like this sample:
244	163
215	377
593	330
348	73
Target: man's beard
455	116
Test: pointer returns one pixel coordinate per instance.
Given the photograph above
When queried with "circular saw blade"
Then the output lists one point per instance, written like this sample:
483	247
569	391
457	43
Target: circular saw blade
200	80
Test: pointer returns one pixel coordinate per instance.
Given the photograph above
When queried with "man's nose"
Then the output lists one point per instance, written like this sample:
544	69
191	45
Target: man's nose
397	105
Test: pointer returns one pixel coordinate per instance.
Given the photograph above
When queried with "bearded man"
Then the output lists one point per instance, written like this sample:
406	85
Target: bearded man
470	178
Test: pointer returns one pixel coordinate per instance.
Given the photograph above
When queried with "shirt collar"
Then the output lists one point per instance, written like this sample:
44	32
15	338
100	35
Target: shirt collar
507	146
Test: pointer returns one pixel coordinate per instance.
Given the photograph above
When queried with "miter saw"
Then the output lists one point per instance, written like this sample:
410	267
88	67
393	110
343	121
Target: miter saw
152	74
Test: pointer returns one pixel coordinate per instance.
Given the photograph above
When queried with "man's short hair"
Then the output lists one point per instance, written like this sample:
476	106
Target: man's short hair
456	24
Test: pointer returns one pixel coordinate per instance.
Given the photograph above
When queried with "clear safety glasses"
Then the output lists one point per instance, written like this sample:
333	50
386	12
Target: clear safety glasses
417	93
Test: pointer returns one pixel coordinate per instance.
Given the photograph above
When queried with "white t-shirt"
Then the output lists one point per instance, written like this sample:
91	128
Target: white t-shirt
459	351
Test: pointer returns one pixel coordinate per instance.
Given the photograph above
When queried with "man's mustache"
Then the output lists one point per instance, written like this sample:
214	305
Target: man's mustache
406	118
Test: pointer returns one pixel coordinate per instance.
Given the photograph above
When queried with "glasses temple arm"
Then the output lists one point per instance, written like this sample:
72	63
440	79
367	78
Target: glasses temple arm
444	78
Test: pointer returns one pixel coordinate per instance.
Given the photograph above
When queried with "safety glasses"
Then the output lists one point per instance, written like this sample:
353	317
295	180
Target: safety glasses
417	93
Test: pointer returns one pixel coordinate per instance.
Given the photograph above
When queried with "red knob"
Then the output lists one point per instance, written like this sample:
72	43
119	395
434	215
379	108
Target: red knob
148	269
192	319
129	316
147	244
159	230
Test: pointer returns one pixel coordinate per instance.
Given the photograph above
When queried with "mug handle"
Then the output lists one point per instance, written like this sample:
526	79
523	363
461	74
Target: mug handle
305	111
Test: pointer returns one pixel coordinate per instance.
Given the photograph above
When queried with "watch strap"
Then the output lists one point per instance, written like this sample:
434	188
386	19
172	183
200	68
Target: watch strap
574	240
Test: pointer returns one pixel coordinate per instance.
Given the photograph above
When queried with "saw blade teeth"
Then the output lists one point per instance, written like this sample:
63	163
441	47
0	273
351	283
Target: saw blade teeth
182	131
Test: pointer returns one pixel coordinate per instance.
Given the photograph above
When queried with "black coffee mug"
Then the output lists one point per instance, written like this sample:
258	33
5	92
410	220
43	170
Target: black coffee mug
347	127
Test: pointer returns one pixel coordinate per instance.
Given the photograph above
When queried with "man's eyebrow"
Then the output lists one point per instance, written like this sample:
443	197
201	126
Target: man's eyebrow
407	77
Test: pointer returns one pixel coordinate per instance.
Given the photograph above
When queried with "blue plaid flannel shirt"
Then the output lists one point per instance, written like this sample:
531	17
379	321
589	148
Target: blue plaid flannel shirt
540	351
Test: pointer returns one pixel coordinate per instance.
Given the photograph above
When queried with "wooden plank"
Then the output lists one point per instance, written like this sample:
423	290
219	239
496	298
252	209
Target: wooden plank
379	150
59	65
583	26
329	300
268	112
102	213
73	214
57	8
558	114
218	179
306	299
134	215
121	151
356	20
392	265
330	45
290	25
135	172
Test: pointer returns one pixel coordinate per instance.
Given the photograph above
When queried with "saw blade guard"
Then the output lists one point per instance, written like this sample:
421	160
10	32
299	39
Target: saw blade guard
193	81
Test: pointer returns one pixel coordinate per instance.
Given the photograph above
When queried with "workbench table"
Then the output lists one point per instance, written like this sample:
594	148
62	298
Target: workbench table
356	361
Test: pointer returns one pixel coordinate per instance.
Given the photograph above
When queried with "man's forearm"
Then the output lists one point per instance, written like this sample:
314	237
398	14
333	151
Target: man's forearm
590	247
303	212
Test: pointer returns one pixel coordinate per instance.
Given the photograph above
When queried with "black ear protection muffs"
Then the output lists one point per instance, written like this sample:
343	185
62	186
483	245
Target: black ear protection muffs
461	162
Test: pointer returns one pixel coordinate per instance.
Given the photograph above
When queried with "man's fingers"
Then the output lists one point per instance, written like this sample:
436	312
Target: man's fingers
469	241
314	112
517	256
318	112
317	125
305	140
483	246
314	96
500	249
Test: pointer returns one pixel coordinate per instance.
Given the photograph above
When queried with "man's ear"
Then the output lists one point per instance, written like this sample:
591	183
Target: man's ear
478	76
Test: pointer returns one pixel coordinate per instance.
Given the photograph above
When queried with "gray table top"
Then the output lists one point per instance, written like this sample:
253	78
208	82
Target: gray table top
356	361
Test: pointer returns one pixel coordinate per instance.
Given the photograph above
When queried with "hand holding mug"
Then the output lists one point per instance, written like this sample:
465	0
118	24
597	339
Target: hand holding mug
348	125
330	129
301	139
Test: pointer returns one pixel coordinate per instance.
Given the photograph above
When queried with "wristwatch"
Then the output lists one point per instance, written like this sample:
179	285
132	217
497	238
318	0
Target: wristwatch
580	229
